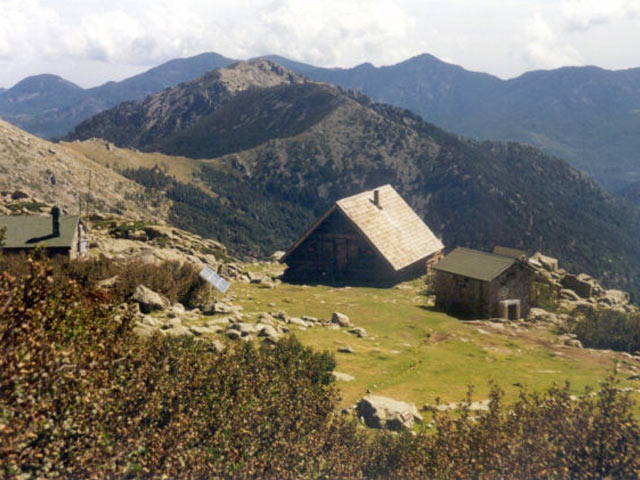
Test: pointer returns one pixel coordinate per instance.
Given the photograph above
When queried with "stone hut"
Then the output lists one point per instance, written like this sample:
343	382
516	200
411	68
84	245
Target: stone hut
474	284
56	234
372	238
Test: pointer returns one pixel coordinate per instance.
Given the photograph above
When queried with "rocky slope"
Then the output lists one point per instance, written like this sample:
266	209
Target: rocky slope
293	146
34	171
146	124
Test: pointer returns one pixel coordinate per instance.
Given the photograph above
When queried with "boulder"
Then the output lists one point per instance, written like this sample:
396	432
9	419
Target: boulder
268	331
215	346
108	282
548	263
614	298
244	328
566	294
150	321
255	277
143	330
341	319
345	349
343	377
386	413
277	256
177	331
299	322
581	286
359	332
233	334
542	316
573	342
198	331
149	300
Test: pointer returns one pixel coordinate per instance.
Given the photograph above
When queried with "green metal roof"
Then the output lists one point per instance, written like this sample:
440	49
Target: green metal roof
474	264
30	231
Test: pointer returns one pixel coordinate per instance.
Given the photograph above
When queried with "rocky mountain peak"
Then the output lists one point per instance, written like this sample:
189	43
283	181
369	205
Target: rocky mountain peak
258	73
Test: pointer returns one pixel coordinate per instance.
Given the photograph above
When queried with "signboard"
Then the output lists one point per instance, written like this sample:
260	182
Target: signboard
208	275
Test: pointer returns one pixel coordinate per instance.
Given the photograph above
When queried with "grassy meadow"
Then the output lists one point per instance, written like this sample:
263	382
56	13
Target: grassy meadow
417	354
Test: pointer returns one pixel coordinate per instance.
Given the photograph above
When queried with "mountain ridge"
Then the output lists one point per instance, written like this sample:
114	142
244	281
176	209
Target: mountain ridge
586	115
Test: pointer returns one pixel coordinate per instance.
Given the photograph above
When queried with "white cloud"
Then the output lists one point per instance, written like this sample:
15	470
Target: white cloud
545	49
584	14
334	32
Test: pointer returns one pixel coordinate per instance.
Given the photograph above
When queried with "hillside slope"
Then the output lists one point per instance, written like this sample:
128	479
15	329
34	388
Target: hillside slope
586	115
36	170
330	143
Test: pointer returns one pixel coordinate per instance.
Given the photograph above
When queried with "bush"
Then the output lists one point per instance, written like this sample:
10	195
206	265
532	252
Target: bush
607	329
541	436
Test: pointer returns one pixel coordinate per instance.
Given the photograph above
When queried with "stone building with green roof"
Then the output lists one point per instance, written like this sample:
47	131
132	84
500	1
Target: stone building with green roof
56	234
474	284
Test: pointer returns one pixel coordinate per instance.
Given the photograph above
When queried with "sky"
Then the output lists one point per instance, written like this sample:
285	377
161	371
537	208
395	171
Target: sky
92	41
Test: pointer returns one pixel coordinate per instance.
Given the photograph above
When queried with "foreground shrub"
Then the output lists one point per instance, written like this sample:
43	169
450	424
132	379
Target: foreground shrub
82	397
550	435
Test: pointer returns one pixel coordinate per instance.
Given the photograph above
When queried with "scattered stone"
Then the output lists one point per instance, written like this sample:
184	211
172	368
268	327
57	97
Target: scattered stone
268	331
150	321
482	405
309	319
219	322
573	342
386	413
149	300
346	349
221	307
143	330
280	315
233	334
244	328
359	332
343	377
199	331
174	322
177	331
178	309
108	282
299	322
341	319
215	345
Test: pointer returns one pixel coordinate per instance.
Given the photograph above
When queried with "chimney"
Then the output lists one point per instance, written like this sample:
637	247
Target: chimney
55	216
376	198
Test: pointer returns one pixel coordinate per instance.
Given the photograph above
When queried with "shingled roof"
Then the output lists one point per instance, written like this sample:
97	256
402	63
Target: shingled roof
29	231
391	227
474	264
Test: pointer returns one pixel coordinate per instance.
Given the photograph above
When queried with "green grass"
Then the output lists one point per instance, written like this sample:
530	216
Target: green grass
414	353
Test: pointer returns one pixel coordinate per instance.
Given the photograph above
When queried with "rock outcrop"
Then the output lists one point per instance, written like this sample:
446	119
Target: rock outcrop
386	413
572	291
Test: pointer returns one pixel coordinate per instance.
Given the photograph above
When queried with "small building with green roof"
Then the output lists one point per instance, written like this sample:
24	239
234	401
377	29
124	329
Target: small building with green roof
474	284
56	234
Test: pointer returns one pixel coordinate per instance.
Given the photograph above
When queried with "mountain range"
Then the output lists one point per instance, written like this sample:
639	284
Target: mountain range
275	149
49	106
587	115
